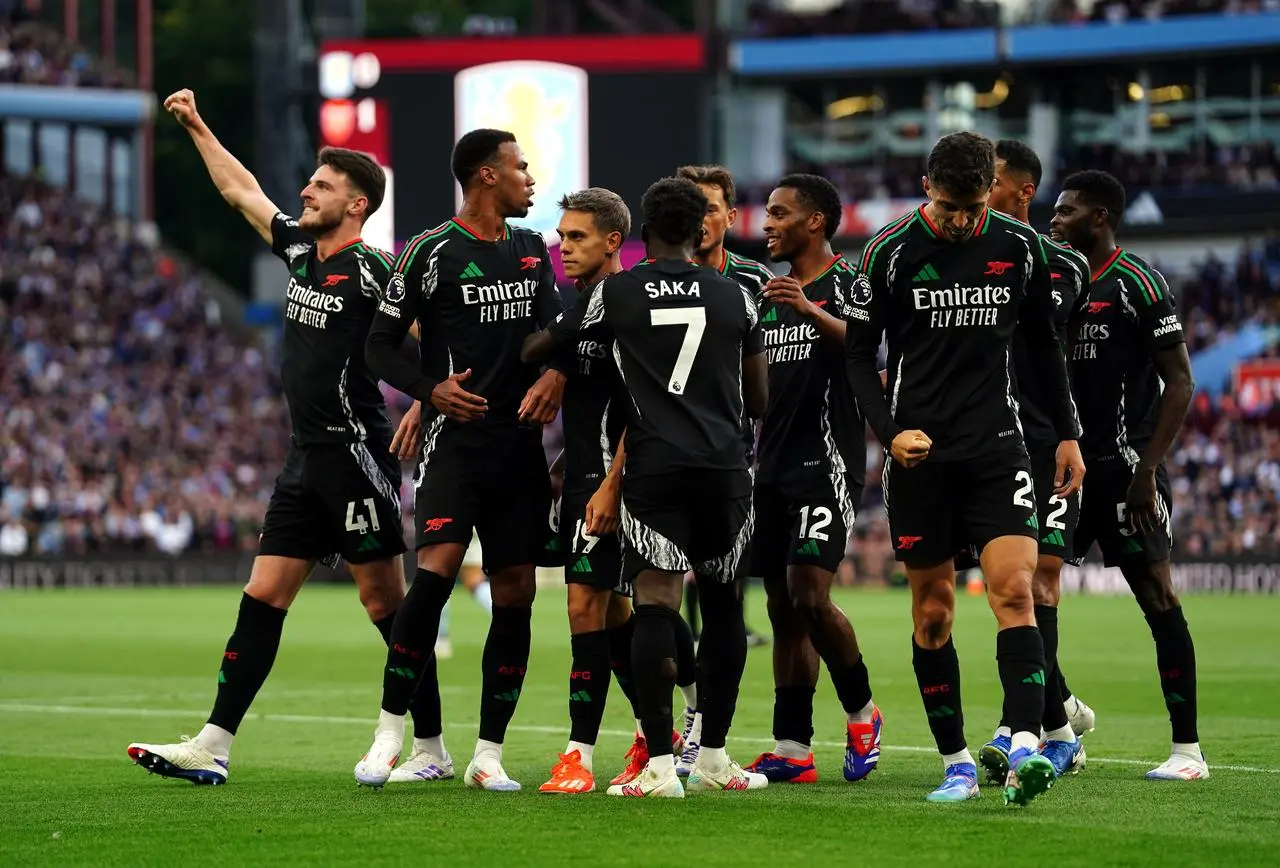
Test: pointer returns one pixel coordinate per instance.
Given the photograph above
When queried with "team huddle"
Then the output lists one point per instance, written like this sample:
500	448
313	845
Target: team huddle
714	422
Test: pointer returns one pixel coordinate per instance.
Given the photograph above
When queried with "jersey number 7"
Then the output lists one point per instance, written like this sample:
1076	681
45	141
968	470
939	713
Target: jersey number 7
694	319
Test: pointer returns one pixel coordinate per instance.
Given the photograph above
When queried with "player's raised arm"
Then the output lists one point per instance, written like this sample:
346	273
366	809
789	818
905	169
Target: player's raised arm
236	183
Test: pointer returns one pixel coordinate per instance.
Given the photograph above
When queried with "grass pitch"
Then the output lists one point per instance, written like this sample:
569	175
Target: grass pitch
83	673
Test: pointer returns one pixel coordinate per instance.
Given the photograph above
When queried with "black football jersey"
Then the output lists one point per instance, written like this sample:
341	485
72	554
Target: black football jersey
949	310
1129	315
679	333
747	273
751	276
475	302
332	395
812	427
593	417
1069	271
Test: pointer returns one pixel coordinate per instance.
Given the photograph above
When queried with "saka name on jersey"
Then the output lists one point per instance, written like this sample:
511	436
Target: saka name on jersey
332	395
812	427
1129	315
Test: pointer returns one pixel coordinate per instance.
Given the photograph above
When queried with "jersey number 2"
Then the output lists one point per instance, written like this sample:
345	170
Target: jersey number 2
1021	497
694	319
356	523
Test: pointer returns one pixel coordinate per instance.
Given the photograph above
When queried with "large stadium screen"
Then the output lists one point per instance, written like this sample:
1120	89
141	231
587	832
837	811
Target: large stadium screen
616	112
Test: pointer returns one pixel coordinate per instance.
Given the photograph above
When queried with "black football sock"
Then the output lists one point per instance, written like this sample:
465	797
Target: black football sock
1062	685
852	684
411	655
691	608
620	662
1020	661
686	655
588	685
653	660
384	627
1176	659
506	656
425	705
793	714
247	660
938	675
1055	713
723	653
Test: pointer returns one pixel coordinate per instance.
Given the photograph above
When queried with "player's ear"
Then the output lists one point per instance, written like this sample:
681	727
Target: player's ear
1028	191
613	242
924	184
732	218
488	175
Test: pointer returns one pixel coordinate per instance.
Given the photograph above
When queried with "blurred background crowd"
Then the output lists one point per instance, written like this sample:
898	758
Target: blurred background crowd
133	419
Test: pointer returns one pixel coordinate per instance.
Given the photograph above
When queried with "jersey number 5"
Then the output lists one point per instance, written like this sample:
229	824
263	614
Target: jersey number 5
694	319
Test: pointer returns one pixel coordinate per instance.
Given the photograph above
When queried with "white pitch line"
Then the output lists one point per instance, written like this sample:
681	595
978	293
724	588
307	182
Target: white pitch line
23	708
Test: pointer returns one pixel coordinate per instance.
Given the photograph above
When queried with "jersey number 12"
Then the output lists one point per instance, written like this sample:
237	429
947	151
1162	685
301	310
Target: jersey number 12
694	319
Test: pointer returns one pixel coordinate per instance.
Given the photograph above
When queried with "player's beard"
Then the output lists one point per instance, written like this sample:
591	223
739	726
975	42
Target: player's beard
317	224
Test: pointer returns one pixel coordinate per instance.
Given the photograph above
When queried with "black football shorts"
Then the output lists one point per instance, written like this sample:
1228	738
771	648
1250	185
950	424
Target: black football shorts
1104	517
496	485
691	520
336	502
590	560
937	509
803	524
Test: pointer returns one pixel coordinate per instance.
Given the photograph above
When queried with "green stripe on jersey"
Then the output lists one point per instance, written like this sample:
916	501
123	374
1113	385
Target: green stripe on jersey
883	237
1146	280
742	262
405	261
377	254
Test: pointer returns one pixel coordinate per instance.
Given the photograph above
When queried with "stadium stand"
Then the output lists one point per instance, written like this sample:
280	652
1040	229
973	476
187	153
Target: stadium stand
132	420
32	53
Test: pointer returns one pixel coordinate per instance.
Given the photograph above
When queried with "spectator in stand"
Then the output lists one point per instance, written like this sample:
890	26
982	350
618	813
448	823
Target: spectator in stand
130	419
33	53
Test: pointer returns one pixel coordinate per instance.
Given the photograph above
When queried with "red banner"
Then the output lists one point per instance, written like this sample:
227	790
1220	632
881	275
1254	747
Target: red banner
682	51
1257	384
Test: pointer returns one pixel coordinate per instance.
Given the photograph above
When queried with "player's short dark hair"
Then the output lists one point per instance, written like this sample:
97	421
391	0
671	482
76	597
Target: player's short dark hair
1100	190
712	176
361	170
606	207
1020	157
816	192
475	149
673	210
962	164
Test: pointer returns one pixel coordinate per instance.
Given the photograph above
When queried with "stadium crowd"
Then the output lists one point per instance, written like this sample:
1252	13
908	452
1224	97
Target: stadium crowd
33	53
130	419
